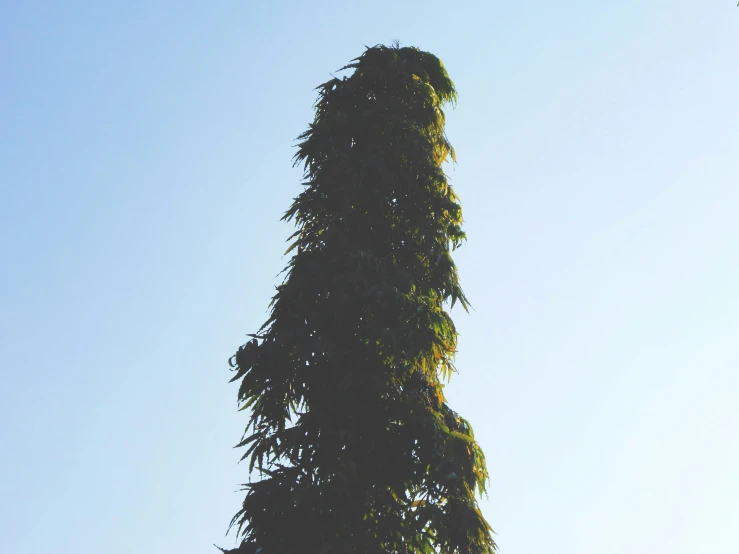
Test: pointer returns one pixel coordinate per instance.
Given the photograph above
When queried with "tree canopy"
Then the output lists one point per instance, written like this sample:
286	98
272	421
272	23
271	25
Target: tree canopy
349	429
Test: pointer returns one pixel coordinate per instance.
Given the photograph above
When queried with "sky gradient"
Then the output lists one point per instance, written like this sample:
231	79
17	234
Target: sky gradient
145	161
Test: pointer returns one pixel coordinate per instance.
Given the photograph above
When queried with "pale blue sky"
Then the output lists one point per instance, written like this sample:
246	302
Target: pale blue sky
144	165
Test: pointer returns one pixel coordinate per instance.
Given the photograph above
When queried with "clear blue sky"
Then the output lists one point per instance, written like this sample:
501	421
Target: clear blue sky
144	165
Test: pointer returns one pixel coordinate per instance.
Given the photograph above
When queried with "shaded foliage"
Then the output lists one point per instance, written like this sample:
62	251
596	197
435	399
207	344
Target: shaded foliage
357	449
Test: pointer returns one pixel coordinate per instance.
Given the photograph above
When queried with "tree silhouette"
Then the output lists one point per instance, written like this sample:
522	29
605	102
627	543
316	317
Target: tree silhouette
357	449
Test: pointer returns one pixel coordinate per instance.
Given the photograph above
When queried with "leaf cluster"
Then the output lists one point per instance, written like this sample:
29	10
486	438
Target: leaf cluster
357	449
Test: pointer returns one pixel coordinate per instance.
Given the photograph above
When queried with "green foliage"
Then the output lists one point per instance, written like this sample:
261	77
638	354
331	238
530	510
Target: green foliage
357	449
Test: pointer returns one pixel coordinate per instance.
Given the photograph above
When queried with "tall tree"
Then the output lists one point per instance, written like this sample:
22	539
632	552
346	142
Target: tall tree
357	449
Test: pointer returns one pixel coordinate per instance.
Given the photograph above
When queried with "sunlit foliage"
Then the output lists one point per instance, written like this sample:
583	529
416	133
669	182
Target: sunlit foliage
356	448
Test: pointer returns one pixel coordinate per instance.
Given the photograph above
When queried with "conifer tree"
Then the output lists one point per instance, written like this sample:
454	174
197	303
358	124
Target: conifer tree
356	447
